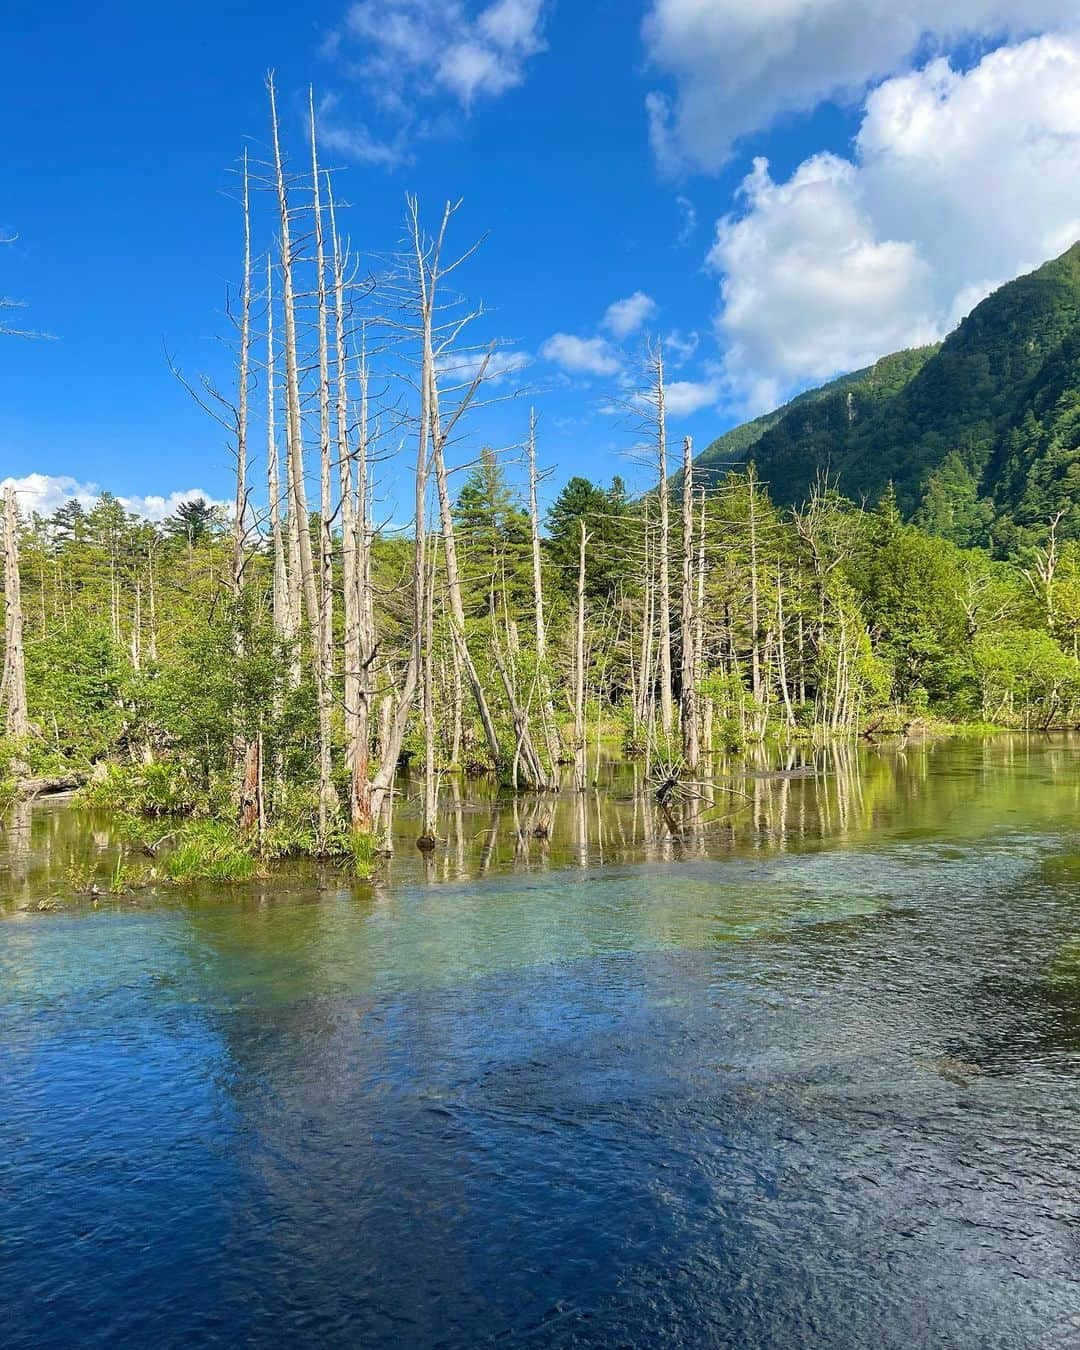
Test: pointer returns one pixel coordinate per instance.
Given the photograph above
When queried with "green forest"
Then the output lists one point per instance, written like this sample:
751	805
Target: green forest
898	550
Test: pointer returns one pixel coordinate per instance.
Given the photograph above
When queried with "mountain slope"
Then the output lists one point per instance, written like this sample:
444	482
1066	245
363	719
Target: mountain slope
733	445
980	436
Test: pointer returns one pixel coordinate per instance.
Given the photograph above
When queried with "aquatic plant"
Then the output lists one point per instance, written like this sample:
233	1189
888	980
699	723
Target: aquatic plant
210	850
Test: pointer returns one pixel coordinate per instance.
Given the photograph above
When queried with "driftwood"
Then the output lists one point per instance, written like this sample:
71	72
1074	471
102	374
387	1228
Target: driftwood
49	787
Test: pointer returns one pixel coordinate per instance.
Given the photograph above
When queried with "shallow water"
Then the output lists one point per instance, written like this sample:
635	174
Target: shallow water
800	1069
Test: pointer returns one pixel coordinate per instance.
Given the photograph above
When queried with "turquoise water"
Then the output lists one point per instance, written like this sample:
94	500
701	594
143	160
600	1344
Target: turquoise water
798	1070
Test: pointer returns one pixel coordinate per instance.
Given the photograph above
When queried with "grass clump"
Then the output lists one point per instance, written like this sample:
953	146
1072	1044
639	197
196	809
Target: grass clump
210	850
164	810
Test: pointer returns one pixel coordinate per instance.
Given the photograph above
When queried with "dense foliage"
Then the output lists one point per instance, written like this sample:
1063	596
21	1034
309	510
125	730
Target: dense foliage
132	652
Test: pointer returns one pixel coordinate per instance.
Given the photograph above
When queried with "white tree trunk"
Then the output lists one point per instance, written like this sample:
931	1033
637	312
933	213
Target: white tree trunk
324	634
16	718
691	736
667	708
580	748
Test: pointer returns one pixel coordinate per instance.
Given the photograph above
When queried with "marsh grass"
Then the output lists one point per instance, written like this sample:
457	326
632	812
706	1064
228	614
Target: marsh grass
210	850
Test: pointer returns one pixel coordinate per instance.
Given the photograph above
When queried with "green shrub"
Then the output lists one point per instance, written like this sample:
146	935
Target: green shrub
160	789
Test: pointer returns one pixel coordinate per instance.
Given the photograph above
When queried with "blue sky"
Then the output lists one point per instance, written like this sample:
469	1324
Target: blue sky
794	188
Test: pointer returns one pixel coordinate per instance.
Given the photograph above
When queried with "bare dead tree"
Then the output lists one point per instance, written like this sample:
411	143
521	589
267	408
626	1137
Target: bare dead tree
755	603
691	733
1043	572
239	528
280	599
547	711
426	842
366	646
580	747
16	714
352	540
659	396
301	562
324	629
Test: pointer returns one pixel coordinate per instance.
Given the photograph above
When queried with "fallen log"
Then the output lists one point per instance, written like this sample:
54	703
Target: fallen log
48	787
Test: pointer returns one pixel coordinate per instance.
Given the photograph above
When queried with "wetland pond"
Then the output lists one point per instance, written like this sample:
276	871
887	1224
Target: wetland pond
802	1071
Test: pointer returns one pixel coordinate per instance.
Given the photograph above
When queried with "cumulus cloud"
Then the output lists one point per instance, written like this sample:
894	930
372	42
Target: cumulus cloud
463	367
627	316
415	57
979	167
959	181
683	398
808	289
734	66
44	493
582	356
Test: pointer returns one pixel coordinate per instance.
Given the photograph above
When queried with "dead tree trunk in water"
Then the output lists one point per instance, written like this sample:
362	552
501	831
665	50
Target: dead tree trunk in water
704	716
755	616
301	564
431	263
250	784
244	749
395	724
691	736
453	575
360	794
16	717
547	711
240	516
426	842
580	748
667	710
648	624
324	657
353	547
782	648
279	593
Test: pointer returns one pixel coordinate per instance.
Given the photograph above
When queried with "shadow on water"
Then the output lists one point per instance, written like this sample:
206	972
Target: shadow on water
796	1068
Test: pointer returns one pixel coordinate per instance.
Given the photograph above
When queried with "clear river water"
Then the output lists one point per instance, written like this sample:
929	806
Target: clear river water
798	1066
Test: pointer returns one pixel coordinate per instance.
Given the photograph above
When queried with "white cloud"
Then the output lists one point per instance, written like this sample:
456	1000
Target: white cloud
980	168
44	493
683	398
463	367
688	212
627	316
736	64
959	181
587	356
679	349
158	508
355	140
807	287
411	57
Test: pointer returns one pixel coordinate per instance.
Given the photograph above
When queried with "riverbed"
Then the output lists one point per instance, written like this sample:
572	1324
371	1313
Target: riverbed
794	1064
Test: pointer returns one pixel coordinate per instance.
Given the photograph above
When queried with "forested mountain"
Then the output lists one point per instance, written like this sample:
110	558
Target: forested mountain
980	436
